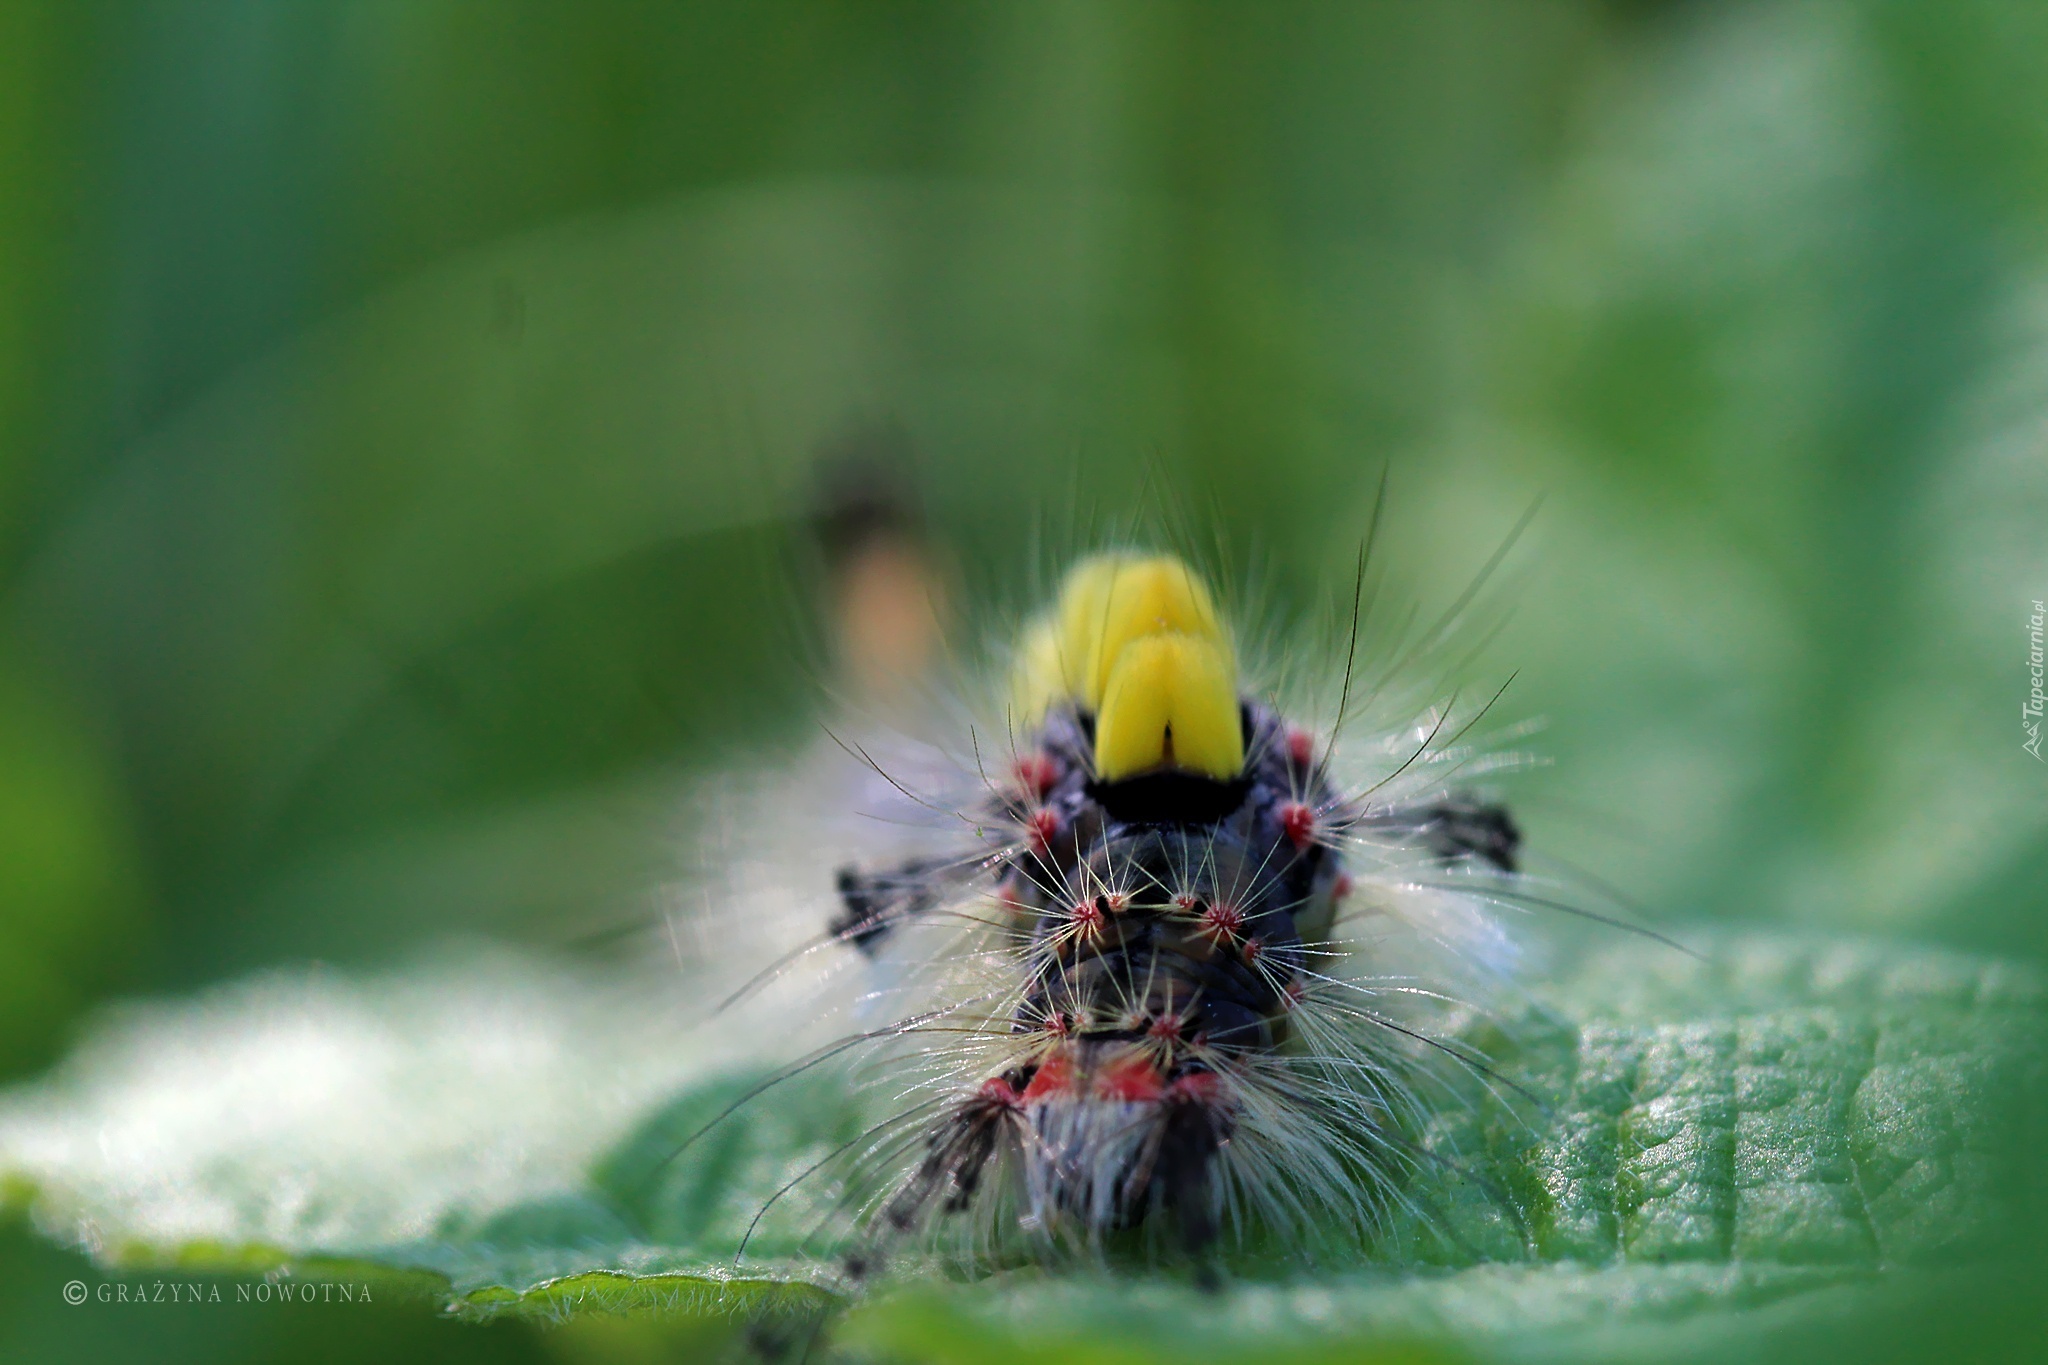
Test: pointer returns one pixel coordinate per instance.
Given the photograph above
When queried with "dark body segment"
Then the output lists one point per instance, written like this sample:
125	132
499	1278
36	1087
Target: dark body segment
1159	926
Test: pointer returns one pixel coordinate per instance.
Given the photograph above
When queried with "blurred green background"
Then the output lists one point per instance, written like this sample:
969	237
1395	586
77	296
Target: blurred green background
407	409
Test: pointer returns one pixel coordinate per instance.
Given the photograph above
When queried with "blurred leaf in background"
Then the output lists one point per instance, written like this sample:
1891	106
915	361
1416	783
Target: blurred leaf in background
454	371
408	408
72	904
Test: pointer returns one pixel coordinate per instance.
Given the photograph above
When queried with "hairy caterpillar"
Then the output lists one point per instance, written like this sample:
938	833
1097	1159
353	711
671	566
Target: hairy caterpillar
1165	978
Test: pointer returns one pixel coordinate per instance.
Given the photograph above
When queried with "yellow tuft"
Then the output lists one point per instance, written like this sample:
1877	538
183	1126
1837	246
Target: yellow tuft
1137	640
1171	703
1040	678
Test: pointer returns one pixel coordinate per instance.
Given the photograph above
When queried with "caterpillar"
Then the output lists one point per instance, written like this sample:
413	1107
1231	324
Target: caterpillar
1166	978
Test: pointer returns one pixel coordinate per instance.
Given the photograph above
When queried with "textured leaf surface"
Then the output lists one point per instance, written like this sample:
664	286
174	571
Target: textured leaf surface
1791	1122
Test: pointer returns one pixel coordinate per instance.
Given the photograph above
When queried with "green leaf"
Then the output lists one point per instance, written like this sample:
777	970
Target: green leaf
1788	1126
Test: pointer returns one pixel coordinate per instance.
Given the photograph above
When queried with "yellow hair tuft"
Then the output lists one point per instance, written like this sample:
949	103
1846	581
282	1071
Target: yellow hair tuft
1137	640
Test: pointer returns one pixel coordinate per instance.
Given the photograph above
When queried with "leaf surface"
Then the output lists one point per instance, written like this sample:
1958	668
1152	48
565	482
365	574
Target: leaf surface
1789	1129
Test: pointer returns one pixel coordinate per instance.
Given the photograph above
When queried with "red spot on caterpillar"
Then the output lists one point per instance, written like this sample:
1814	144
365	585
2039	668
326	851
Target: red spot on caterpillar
1223	920
1197	1087
1038	774
1087	916
1298	823
1301	749
1252	949
1055	1076
1341	888
1132	1079
1291	994
1044	824
997	1090
1186	903
1165	1026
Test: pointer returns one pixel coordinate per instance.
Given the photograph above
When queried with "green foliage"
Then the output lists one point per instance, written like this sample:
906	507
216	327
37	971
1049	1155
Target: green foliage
1789	1121
408	417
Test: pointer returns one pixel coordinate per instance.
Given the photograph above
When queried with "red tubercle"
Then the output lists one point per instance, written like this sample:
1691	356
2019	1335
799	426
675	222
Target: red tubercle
1038	773
1197	1087
1252	949
1341	888
997	1090
1043	825
1222	920
1186	903
1301	749
1133	1080
1166	1026
1087	916
1291	995
1298	823
1055	1076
